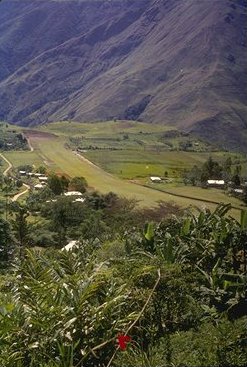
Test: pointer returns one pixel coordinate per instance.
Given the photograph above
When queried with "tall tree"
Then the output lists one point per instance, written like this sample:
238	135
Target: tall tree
78	184
55	184
20	227
6	244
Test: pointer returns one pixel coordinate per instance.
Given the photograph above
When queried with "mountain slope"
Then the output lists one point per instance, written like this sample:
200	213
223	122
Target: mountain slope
170	61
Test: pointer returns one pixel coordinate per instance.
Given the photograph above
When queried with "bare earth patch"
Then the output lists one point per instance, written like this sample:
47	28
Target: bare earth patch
35	134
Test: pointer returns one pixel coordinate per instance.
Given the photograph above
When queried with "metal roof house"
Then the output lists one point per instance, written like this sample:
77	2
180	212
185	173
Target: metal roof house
155	179
217	183
73	193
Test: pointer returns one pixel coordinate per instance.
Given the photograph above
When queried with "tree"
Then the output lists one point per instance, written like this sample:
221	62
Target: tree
65	214
25	167
193	176
41	169
7	186
227	165
64	183
78	184
6	242
227	169
20	227
236	180
211	170
56	184
238	170
244	197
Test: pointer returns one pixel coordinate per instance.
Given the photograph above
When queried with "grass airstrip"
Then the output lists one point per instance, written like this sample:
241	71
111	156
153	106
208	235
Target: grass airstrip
120	157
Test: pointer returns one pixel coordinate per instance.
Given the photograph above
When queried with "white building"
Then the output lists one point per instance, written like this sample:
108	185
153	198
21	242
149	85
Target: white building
73	193
38	186
238	191
155	179
79	200
218	183
43	179
70	246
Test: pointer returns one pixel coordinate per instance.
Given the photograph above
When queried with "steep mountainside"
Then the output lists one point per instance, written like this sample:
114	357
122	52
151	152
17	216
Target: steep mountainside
180	62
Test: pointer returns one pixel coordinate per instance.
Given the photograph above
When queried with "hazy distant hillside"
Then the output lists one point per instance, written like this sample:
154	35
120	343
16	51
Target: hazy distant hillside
180	62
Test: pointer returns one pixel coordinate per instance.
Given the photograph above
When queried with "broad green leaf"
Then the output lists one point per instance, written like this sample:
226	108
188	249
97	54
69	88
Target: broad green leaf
149	231
186	227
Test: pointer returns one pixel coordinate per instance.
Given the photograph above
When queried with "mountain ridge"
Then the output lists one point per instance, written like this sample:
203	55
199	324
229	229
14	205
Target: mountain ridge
161	61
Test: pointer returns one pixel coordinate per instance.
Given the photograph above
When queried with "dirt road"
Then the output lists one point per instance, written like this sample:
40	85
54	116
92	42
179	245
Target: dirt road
17	196
5	173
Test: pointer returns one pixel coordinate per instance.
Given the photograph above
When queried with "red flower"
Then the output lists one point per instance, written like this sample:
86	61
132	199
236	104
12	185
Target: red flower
123	340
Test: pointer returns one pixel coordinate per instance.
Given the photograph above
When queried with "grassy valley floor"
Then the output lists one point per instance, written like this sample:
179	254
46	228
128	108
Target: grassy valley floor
126	168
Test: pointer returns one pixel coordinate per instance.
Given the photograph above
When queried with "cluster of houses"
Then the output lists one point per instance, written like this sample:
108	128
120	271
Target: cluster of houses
221	184
42	179
77	195
229	185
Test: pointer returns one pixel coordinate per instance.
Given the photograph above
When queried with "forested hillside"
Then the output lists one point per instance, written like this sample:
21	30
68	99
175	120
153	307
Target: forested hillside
172	62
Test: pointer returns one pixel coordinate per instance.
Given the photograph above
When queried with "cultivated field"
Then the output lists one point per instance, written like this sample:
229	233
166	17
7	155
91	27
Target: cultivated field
125	168
132	150
18	158
101	167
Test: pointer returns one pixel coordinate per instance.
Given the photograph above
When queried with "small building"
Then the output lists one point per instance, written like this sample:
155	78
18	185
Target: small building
79	200
30	174
39	187
238	191
38	174
43	179
23	173
155	179
73	193
70	246
216	183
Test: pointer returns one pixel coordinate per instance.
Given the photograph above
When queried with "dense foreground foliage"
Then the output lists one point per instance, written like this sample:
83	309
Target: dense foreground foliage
178	289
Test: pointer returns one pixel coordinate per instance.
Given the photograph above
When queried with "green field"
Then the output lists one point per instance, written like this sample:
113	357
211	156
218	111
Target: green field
120	135
118	170
210	194
18	158
134	150
106	129
3	165
135	164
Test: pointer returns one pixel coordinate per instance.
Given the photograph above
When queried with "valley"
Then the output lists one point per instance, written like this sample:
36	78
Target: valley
175	63
123	183
111	162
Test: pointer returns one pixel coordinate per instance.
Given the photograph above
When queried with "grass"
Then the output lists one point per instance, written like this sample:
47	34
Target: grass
132	150
18	158
128	163
137	163
211	194
145	163
3	165
64	160
106	129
